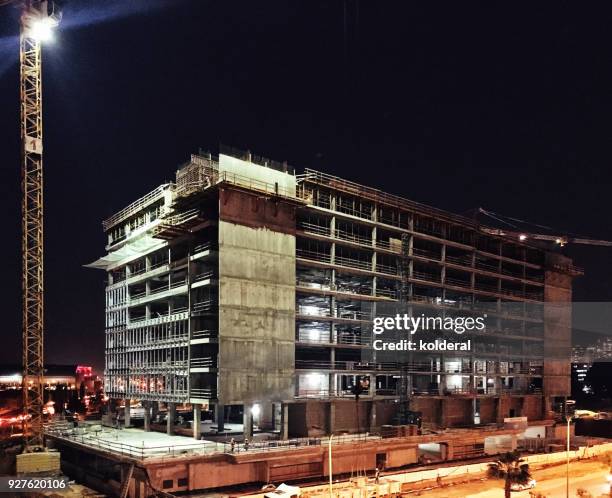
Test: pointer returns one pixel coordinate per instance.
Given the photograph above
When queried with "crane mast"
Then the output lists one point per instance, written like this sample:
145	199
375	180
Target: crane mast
32	232
36	18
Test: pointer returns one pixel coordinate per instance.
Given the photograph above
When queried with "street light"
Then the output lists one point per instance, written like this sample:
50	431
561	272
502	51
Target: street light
568	417
331	474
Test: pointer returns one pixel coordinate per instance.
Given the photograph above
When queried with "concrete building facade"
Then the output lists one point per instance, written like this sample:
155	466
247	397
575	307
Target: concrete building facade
242	283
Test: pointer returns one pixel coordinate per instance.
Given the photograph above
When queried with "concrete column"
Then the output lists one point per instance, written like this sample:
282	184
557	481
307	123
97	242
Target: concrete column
147	415
170	419
331	377
220	417
197	421
266	418
284	428
331	418
444	413
127	422
373	421
154	409
247	421
111	413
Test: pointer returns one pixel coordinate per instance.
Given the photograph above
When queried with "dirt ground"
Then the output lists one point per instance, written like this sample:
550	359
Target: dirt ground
590	475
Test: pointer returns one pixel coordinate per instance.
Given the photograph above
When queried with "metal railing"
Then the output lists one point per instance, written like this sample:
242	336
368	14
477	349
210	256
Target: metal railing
136	206
459	260
391	293
324	393
379	196
204	334
208	393
416	251
205	362
314	285
314	229
386	269
204	275
428	277
246	155
349	341
206	246
353	263
156	366
258	185
313	255
161	317
457	283
98	440
344	365
203	306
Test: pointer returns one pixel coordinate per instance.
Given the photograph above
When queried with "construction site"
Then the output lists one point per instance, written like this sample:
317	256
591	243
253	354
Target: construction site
243	294
244	304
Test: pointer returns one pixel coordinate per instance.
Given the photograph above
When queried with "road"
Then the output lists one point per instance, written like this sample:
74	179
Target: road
588	475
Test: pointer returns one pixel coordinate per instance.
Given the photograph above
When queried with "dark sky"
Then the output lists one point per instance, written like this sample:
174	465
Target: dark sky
455	104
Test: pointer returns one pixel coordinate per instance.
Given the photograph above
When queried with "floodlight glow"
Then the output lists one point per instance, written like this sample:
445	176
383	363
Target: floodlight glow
42	30
255	410
38	21
522	237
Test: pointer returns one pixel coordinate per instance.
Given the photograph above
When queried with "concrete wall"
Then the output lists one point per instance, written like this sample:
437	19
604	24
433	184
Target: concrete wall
457	412
256	299
351	416
430	408
488	413
308	419
209	472
240	170
532	407
557	328
316	418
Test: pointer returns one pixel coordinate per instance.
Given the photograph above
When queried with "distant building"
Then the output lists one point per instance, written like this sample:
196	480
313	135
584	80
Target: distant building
583	357
603	349
66	375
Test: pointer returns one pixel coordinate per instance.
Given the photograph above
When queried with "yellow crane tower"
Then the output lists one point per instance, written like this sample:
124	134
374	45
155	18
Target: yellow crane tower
37	21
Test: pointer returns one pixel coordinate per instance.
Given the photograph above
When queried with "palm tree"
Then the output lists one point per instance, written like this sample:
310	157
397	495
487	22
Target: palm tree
510	467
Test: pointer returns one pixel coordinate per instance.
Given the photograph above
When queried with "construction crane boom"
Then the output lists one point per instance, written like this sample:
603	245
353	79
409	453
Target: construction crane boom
560	240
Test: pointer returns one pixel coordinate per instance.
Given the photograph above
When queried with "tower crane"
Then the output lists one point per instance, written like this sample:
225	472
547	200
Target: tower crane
515	232
37	20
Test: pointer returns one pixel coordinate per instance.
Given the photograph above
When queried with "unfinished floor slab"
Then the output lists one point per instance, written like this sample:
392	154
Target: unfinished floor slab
141	444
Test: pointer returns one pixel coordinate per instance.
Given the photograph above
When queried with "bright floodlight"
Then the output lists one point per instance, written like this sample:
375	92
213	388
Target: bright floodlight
39	21
255	411
42	30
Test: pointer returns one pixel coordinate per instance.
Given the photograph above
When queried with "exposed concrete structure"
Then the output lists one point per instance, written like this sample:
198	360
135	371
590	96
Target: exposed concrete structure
170	418
127	413
147	415
174	464
244	284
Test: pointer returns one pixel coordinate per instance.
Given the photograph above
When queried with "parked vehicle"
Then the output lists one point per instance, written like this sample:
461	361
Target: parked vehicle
522	487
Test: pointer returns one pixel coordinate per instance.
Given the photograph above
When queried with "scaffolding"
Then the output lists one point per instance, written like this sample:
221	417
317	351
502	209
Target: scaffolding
357	245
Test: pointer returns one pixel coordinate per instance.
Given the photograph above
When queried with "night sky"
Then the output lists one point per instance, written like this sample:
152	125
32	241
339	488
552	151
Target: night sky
454	104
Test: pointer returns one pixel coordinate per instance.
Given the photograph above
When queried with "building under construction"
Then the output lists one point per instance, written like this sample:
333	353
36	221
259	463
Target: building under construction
244	283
